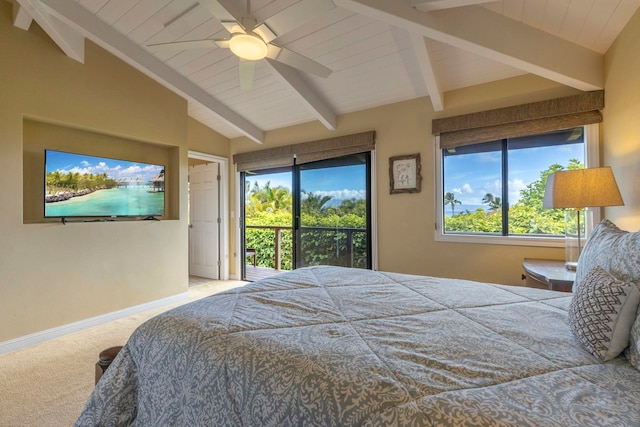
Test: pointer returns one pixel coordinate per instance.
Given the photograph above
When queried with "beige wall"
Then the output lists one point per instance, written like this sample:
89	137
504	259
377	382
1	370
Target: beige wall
406	236
621	130
205	140
53	274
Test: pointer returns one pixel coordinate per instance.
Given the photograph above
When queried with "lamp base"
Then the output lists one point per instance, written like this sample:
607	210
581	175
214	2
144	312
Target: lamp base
571	265
577	222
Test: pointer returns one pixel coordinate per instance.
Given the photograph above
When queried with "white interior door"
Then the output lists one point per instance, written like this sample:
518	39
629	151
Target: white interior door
204	221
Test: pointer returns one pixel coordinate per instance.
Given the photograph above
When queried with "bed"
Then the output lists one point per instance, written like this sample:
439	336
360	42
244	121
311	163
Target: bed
332	346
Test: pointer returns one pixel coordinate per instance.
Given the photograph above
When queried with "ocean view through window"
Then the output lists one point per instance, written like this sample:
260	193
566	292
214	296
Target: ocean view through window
494	189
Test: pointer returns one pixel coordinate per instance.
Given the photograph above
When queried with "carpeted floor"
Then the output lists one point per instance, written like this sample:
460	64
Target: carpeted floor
49	383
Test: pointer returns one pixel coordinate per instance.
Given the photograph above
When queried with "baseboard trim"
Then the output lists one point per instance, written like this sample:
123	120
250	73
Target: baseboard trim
48	334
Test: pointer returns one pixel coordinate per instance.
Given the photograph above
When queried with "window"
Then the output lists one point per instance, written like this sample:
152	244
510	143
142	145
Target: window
492	192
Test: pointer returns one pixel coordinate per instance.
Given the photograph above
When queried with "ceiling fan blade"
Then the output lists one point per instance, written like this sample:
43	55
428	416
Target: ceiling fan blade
223	43
292	18
225	11
247	70
184	45
233	27
298	61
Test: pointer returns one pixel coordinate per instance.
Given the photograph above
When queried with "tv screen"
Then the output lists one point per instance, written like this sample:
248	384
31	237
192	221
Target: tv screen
78	185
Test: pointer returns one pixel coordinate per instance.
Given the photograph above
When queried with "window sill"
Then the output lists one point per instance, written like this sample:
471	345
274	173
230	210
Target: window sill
550	242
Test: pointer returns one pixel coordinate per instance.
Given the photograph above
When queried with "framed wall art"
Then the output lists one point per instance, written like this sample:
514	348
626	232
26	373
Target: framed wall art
404	174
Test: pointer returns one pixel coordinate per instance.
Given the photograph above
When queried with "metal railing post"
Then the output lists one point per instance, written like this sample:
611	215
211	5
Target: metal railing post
350	246
277	249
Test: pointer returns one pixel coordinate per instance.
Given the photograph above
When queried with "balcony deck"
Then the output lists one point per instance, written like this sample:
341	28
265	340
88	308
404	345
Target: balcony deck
338	235
257	273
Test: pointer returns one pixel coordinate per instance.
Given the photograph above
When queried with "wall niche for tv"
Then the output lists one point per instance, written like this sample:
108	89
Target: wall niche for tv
55	141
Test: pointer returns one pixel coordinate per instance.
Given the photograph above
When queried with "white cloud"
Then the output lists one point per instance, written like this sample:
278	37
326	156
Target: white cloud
494	187
515	187
343	194
465	189
133	171
490	157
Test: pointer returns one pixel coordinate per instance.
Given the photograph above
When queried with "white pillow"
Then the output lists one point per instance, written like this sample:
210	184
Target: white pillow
602	312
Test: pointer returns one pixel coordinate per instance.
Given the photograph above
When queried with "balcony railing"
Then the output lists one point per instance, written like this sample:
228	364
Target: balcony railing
344	246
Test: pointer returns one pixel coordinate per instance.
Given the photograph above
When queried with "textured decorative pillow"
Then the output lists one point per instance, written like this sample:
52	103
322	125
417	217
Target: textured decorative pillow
602	312
615	250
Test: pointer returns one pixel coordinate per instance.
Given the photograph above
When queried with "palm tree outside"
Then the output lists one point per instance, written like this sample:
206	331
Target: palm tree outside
450	199
494	202
314	203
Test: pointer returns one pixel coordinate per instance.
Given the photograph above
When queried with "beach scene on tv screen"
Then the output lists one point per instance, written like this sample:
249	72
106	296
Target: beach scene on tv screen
81	185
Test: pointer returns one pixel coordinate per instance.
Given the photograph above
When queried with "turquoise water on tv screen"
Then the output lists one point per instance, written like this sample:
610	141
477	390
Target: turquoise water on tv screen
124	201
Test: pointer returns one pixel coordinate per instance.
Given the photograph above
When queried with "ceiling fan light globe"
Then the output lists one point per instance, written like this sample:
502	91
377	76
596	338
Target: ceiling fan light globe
248	46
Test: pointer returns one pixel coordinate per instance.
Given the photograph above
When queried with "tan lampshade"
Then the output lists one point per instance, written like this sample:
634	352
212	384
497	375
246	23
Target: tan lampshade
582	188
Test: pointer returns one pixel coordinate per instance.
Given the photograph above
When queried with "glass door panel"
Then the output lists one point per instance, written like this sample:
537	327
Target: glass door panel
333	212
267	231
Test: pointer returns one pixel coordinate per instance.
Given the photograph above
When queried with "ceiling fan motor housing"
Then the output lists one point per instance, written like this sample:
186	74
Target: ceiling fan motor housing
248	46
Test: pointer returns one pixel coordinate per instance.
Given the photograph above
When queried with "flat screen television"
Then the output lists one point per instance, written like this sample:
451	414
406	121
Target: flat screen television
78	185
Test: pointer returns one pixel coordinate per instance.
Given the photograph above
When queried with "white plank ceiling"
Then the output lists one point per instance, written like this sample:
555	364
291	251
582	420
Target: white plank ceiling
379	51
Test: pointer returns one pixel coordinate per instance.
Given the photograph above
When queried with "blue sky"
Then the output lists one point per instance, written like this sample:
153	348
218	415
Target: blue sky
472	176
469	177
344	182
69	162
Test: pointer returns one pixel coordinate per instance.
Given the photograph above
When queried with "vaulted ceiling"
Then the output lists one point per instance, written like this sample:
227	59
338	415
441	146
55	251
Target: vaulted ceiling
377	51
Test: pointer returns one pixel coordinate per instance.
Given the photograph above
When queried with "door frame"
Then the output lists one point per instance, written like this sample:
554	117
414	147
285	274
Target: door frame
374	215
224	207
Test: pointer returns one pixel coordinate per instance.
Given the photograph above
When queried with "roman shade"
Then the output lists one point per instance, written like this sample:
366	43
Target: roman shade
305	152
519	120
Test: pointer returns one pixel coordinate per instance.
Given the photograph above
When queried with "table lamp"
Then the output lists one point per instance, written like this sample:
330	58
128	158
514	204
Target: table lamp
574	190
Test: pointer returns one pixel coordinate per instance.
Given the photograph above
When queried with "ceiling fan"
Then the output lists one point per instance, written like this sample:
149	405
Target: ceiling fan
250	40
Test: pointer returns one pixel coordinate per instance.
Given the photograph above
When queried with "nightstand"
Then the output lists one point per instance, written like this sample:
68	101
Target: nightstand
548	274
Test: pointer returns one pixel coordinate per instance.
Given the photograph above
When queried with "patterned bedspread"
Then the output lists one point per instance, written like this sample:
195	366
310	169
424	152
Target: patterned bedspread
330	346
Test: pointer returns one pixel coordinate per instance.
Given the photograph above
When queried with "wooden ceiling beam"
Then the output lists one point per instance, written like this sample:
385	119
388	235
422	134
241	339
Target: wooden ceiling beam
67	39
429	74
21	18
291	77
430	5
482	32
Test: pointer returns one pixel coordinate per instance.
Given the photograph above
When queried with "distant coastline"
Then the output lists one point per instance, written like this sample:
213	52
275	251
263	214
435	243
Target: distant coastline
461	209
62	196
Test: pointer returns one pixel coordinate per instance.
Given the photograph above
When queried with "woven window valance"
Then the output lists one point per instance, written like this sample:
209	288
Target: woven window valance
520	120
306	152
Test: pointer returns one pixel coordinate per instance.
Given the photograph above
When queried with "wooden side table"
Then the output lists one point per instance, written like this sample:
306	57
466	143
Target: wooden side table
106	356
548	274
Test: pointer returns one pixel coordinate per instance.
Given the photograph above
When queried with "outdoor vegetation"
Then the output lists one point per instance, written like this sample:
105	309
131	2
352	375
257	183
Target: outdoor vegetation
326	227
526	216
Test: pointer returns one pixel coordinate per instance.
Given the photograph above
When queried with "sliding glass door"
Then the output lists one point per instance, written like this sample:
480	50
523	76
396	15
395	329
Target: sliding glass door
316	213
